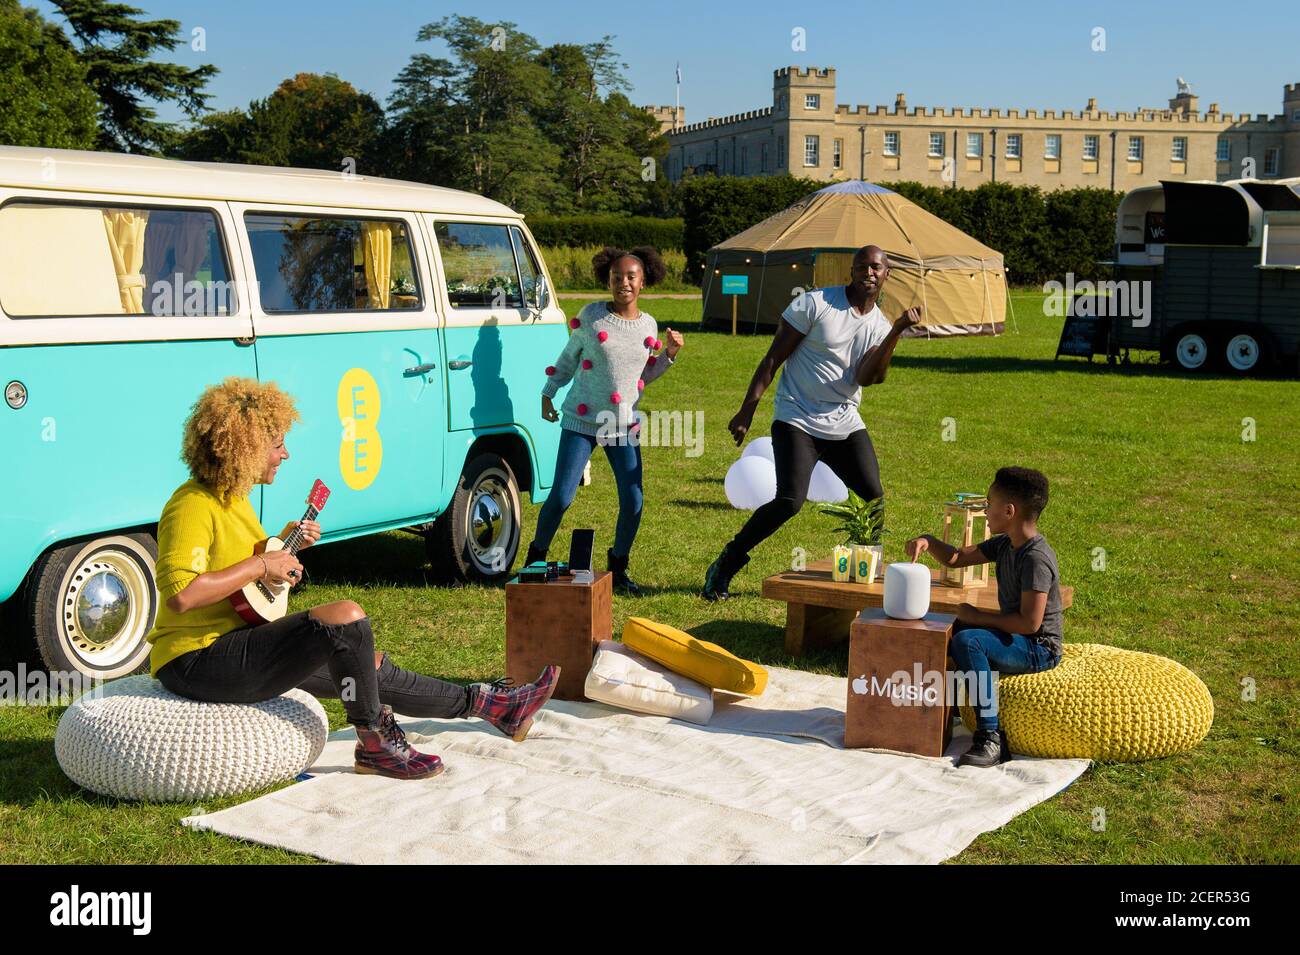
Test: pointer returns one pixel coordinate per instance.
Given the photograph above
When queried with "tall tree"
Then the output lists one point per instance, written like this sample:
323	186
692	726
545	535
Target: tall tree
483	99
44	100
117	49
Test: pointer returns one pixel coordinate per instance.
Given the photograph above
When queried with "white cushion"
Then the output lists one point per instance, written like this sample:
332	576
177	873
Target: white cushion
135	739
624	678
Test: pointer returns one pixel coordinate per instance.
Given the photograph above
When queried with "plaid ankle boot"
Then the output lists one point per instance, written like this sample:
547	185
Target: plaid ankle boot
511	708
382	750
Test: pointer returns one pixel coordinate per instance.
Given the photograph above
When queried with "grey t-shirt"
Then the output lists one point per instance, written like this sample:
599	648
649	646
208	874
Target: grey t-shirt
1031	566
818	392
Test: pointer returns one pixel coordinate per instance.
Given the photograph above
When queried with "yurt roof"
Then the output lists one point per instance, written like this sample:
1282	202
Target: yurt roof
847	215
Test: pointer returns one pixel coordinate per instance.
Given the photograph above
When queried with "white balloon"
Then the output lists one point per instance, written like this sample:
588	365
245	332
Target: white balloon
750	483
825	487
759	447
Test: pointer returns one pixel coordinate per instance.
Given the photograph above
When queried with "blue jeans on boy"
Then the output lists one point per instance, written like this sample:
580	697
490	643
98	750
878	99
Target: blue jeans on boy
624	456
979	653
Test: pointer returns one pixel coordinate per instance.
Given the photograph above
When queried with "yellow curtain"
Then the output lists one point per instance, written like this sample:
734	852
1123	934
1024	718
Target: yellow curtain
126	243
379	262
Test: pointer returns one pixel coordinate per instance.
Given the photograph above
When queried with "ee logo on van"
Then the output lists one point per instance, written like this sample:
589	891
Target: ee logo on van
361	452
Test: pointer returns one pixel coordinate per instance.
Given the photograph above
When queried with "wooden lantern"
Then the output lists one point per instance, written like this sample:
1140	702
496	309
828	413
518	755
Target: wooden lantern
965	512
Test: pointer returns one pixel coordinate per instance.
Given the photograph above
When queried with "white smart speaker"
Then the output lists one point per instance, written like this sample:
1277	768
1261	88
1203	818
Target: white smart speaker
907	591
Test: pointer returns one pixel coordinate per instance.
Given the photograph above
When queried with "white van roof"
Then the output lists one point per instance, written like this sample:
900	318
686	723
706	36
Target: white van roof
79	171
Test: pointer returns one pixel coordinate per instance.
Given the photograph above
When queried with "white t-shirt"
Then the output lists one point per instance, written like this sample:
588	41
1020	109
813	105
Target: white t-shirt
818	392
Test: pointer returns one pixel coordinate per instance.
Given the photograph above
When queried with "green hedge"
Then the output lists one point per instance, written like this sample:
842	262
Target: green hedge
1041	235
570	268
602	230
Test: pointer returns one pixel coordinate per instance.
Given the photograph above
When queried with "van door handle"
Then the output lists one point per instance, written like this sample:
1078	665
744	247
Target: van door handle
456	364
420	370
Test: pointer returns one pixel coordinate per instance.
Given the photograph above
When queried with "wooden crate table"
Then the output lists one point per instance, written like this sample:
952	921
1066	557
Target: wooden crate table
819	610
898	683
558	622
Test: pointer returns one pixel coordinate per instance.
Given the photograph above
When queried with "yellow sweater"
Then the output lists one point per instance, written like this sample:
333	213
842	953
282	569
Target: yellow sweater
196	534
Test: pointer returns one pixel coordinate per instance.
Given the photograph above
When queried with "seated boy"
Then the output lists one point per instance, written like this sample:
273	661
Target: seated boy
1025	637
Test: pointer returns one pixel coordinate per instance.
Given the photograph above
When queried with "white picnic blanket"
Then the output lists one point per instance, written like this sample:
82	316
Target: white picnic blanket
767	781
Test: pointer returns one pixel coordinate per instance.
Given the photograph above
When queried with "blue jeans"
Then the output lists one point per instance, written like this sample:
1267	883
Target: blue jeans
625	460
982	654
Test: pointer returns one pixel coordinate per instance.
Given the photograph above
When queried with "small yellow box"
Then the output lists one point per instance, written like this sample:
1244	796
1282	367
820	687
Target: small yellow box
841	558
866	561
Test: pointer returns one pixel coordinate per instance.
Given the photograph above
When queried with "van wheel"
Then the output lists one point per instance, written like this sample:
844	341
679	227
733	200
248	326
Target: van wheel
1244	353
1192	351
477	537
92	604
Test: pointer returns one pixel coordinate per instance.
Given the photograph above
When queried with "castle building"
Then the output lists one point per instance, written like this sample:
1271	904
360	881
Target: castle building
806	133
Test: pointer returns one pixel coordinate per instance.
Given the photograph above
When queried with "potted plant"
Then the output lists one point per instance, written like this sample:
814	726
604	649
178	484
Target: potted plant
863	524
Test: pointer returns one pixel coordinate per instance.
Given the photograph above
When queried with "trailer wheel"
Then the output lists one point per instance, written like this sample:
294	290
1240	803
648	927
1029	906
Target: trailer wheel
1245	353
1192	351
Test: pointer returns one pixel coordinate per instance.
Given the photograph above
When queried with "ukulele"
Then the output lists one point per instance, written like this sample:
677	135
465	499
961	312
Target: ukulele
262	601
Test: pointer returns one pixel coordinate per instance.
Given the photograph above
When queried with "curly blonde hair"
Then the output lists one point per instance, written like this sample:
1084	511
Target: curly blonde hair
229	432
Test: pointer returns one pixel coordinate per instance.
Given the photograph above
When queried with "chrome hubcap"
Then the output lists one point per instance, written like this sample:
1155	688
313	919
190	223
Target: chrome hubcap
106	608
491	523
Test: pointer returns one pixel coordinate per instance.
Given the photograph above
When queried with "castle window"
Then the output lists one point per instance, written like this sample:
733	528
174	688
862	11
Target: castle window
1052	146
1013	145
1272	157
762	157
812	101
936	145
974	145
891	144
1135	149
780	152
1091	147
811	150
837	154
1179	153
1223	150
744	160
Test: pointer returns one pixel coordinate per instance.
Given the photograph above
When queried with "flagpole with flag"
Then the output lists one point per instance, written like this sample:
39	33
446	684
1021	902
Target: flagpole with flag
677	108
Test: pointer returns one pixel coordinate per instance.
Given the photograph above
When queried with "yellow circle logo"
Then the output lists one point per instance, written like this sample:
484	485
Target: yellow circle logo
361	452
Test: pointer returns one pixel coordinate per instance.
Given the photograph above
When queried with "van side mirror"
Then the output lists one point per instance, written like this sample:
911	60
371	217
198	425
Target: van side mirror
541	294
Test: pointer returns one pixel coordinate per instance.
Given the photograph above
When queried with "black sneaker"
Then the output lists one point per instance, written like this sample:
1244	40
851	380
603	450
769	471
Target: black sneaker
623	584
717	579
987	749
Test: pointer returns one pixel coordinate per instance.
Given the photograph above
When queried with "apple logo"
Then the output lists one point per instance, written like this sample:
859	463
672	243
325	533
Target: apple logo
860	685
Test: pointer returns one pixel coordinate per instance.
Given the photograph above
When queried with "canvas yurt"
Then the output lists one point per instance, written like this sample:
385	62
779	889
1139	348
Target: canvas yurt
960	282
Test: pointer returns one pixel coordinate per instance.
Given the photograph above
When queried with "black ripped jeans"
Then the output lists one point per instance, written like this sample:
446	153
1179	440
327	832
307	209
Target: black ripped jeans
253	664
796	452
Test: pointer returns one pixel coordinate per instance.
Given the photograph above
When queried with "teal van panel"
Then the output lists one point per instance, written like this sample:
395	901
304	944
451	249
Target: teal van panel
97	446
503	385
372	426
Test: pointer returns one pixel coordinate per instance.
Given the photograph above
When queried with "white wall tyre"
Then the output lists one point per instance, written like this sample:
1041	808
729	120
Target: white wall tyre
477	537
1192	351
93	602
1244	353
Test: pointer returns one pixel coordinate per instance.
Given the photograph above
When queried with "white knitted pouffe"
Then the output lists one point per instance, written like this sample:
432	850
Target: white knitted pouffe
135	739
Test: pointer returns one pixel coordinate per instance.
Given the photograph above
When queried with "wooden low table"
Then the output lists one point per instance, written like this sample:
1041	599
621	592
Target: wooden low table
557	623
819	610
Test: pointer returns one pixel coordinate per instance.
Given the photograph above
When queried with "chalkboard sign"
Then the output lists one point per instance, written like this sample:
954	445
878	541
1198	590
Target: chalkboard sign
1083	336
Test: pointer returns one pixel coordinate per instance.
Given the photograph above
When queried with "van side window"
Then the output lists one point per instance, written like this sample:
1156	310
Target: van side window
528	269
480	265
72	260
332	263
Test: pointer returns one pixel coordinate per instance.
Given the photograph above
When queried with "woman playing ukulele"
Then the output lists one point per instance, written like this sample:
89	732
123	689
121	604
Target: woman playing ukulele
211	545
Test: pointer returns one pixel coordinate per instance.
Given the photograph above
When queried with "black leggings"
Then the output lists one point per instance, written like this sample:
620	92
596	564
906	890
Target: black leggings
259	663
852	459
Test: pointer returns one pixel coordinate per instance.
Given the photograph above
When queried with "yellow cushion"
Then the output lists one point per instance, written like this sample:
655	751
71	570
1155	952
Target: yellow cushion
703	662
1103	703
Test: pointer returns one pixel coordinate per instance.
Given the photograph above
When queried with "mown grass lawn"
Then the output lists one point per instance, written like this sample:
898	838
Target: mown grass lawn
1199	529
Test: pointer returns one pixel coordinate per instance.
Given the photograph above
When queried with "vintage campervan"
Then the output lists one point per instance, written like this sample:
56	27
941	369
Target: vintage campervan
411	323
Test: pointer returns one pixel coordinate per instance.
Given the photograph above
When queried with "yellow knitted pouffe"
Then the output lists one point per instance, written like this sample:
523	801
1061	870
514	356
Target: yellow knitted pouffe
1103	703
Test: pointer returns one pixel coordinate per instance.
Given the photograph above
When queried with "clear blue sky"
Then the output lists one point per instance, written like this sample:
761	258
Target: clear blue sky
1014	54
